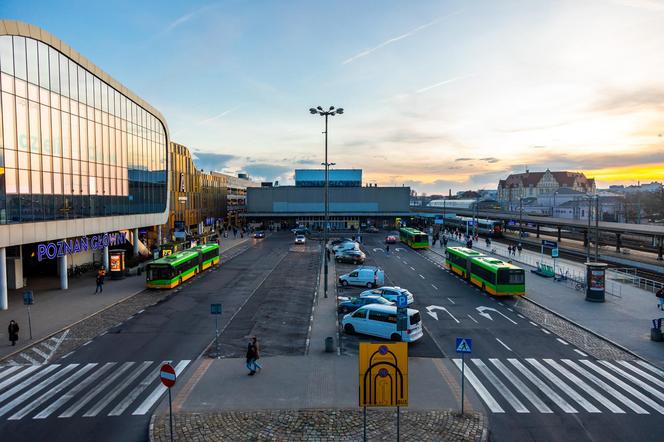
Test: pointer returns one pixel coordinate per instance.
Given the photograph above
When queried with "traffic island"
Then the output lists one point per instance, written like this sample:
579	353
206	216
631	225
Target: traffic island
320	425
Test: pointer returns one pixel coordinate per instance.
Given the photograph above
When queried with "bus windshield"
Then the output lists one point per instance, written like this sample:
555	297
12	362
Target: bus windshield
156	272
511	276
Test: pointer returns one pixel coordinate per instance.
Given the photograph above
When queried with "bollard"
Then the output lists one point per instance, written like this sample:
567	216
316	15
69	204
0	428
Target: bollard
329	345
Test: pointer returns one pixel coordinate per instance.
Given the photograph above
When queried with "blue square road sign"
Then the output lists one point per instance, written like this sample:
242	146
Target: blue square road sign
464	345
215	309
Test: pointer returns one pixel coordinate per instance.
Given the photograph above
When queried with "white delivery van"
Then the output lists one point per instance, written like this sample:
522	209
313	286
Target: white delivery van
381	320
344	246
364	276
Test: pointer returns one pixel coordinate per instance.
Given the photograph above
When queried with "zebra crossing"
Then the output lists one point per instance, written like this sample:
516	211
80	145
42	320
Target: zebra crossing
566	385
84	390
40	353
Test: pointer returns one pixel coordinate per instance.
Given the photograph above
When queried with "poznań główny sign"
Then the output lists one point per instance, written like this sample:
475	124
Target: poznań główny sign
56	249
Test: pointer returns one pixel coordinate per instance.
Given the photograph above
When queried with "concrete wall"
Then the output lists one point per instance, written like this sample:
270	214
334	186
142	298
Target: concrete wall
291	199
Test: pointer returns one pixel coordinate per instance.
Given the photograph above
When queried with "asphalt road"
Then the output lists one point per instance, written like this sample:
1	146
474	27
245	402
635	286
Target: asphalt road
503	336
113	399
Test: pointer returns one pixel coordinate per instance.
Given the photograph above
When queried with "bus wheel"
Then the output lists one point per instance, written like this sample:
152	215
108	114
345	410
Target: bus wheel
395	337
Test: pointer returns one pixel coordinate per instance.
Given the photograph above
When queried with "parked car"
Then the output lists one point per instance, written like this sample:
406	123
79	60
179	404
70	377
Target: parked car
347	305
381	321
300	231
389	293
372	229
259	234
364	276
391	239
350	256
350	245
300	239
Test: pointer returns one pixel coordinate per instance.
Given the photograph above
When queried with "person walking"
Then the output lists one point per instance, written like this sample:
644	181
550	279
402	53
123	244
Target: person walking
100	280
509	250
13	331
519	247
660	298
252	356
444	243
387	249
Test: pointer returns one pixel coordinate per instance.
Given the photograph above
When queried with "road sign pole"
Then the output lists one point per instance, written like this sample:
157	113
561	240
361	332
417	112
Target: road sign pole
365	424
216	336
29	321
170	412
463	360
398	419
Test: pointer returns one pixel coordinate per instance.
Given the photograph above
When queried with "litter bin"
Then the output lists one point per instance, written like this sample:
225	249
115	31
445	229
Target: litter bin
329	345
596	281
656	330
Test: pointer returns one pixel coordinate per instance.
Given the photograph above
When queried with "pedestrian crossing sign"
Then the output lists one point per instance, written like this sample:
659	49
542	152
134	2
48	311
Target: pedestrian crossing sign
464	345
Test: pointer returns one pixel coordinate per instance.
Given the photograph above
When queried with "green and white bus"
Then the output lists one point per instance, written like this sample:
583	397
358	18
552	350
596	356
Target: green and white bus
414	238
492	275
172	270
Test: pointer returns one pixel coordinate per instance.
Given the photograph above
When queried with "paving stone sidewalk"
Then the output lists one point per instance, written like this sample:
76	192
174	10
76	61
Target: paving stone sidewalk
320	425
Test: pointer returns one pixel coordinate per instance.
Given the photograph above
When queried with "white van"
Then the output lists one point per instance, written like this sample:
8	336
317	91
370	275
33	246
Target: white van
381	320
364	276
344	246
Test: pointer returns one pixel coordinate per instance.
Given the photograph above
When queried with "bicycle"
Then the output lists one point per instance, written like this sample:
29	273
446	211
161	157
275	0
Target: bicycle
579	287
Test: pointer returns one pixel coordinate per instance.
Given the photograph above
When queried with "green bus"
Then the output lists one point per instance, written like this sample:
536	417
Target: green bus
172	270
492	275
414	238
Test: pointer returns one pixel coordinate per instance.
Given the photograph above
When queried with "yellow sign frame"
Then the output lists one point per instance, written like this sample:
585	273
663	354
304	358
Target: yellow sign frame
383	374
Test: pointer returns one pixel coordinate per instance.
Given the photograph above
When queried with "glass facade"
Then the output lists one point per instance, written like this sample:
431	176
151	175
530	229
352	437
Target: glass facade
72	146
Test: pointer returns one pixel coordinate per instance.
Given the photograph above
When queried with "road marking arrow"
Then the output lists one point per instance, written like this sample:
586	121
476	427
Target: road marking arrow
434	315
481	310
376	249
398	249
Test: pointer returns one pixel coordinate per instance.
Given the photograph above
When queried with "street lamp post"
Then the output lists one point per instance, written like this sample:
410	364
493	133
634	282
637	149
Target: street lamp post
326	113
597	215
520	218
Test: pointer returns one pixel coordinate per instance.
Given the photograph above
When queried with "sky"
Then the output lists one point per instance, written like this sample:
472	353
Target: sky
438	95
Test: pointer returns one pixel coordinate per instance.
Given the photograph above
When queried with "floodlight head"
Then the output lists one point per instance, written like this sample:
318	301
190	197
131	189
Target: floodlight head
313	111
340	110
319	108
331	108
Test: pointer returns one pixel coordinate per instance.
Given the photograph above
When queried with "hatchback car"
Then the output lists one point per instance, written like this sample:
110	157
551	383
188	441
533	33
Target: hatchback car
390	239
372	229
259	234
347	305
389	293
351	256
300	239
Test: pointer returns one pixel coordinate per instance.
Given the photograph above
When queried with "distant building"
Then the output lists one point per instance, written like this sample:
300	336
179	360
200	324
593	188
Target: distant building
336	177
650	187
535	184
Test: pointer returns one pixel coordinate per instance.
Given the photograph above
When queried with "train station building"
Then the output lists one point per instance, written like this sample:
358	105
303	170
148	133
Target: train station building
84	161
351	204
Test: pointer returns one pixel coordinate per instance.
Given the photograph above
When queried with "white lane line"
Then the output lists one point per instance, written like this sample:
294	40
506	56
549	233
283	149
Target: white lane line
633	391
480	388
27	382
131	397
546	331
585	387
642	373
521	316
10	370
434	286
43	384
450	299
412	268
562	341
18	376
46	412
89	342
548	374
606	387
527	392
503	344
140	311
544	388
52	392
650	367
95	391
533	324
103	333
421	276
117	389
157	392
475	320
581	353
647	387
510	309
502	389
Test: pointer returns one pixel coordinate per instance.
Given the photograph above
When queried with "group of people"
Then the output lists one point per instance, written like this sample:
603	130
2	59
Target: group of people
512	249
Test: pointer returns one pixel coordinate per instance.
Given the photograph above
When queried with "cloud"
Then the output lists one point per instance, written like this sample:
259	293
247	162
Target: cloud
215	117
648	5
490	160
212	161
463	159
187	17
442	83
396	39
629	101
267	172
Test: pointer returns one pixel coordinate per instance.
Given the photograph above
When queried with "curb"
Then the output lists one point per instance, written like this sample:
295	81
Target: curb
50	335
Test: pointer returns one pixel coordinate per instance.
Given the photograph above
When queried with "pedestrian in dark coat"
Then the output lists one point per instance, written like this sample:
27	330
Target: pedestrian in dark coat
660	298
13	331
100	280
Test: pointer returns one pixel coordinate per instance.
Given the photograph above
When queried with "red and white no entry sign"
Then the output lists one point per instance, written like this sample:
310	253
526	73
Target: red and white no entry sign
167	375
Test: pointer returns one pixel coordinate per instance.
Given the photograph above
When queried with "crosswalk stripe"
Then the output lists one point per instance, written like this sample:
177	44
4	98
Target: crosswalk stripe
585	387
95	391
563	386
18	376
479	388
116	390
633	391
30	359
28	381
650	367
40	353
157	392
43	384
527	392
47	345
567	408
131	397
658	394
52	392
502	389
46	412
7	371
642	373
606	387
